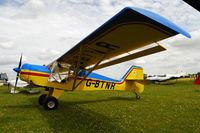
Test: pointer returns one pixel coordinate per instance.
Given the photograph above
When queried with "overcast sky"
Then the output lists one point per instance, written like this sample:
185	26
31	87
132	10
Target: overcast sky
43	30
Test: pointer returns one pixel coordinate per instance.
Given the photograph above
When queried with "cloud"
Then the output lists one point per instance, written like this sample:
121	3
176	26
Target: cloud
139	61
8	59
32	8
7	45
44	30
182	43
45	54
33	5
29	9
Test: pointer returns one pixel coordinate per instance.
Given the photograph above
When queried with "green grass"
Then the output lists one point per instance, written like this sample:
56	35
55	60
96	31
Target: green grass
162	108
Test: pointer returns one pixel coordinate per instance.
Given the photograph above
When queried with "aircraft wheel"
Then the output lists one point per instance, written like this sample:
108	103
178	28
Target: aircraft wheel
50	103
42	99
137	97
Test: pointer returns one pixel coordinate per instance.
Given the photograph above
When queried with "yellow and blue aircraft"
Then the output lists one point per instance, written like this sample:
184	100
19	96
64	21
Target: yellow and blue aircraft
132	28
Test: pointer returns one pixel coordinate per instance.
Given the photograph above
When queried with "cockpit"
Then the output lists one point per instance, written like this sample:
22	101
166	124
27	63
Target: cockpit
61	72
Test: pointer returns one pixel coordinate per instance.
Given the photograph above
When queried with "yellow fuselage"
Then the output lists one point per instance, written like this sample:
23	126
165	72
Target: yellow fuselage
131	82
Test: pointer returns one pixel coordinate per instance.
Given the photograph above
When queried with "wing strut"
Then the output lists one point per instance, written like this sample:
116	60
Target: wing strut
145	52
90	70
77	68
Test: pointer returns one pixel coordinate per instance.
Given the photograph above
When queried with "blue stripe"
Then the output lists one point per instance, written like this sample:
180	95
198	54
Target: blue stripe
101	77
129	71
37	68
161	20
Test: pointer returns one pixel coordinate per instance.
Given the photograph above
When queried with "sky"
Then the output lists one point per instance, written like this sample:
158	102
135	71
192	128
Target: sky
43	30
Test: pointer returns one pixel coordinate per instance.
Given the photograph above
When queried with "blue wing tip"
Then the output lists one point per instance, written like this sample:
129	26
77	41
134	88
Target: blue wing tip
160	19
188	35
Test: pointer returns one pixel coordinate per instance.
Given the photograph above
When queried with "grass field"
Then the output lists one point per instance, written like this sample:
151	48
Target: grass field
162	108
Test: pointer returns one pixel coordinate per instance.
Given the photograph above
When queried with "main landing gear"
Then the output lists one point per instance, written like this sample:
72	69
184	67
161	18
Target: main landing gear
49	103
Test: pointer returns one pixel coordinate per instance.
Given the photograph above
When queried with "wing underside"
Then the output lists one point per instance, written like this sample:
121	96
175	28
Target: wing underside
130	29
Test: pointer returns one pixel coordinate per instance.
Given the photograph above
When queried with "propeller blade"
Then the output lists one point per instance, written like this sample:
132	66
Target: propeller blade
19	66
16	82
20	62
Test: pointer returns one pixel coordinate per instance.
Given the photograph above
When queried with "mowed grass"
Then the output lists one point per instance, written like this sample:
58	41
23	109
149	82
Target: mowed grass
162	108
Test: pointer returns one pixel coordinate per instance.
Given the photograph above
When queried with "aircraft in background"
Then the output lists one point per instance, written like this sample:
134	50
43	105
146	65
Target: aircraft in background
132	28
20	84
166	77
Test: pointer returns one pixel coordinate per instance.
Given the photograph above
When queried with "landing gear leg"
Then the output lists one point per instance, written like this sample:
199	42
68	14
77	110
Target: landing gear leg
49	101
137	96
43	97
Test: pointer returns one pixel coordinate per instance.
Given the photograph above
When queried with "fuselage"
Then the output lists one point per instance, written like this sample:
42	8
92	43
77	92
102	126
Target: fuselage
39	75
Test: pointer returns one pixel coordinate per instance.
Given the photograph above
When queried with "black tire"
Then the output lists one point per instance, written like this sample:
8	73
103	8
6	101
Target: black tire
137	97
42	99
51	103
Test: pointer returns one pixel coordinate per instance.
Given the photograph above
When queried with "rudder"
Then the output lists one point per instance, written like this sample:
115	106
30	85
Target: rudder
134	78
134	73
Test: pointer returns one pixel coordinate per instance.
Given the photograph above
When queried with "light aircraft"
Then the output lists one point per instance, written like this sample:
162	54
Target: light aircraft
3	79
20	84
166	77
132	28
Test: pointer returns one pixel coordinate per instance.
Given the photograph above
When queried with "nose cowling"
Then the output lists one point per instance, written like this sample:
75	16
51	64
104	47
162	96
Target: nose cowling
16	70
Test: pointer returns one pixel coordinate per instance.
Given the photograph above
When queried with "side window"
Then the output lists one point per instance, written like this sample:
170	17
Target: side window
61	72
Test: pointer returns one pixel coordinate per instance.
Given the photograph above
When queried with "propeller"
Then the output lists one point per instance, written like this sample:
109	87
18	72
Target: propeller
18	71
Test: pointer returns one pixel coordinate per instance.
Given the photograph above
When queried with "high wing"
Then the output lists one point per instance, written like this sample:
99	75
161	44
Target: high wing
130	29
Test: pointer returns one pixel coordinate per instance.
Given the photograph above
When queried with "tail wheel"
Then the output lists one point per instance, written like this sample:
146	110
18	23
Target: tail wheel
137	97
42	99
50	103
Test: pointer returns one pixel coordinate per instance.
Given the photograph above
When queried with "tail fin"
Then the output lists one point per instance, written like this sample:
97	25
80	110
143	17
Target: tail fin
134	78
134	73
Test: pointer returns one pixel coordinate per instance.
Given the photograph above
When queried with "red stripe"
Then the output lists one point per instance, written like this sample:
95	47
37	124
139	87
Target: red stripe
35	74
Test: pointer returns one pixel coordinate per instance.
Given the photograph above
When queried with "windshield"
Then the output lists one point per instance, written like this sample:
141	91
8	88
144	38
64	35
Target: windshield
61	72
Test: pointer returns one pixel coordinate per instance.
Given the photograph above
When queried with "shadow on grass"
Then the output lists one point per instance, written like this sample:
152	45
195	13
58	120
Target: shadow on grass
71	103
26	92
165	83
197	90
97	101
19	106
72	117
